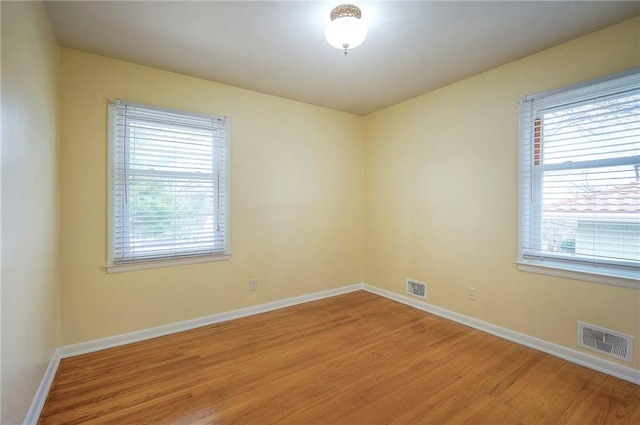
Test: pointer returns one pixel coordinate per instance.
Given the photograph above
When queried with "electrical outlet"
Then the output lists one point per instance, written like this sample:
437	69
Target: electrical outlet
471	293
253	285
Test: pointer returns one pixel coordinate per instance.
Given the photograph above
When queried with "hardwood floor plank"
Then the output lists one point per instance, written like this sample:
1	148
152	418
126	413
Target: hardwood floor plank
352	359
606	400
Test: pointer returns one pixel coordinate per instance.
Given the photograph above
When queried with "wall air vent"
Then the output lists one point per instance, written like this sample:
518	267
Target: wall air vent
417	288
605	341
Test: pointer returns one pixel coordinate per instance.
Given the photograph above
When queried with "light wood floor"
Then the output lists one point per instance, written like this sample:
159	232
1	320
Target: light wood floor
353	359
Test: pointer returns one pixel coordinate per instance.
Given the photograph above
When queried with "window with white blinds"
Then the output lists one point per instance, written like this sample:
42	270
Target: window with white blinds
580	179
168	184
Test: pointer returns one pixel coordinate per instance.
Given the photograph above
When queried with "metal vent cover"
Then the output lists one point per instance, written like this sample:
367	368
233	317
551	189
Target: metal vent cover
605	341
416	288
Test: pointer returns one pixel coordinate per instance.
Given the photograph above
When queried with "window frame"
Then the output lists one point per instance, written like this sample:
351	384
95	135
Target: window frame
531	172
114	266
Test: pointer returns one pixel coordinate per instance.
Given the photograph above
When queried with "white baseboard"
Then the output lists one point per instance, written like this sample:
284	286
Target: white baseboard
128	338
568	354
33	414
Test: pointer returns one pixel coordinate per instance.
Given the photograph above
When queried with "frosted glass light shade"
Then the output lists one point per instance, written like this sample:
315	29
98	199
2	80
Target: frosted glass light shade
346	33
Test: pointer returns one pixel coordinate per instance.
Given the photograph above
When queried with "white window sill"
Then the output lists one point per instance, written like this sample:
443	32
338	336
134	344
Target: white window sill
620	278
143	265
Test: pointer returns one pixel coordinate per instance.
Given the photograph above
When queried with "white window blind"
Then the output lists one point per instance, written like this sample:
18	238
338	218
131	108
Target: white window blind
580	177
168	184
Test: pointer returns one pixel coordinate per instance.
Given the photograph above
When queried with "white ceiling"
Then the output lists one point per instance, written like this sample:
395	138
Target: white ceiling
278	47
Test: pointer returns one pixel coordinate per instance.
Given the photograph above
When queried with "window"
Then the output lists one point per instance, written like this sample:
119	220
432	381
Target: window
168	187
580	181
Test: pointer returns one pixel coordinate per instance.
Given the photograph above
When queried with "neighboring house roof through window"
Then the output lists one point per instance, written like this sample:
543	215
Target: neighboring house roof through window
623	199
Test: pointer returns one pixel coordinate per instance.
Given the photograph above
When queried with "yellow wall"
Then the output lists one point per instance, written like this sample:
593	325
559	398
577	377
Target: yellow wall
441	193
296	201
30	302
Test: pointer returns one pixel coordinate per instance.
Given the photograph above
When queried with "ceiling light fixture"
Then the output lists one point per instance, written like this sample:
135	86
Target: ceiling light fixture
346	30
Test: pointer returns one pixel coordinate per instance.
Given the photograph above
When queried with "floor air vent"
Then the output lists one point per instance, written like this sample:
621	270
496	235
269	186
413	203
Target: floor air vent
417	288
605	341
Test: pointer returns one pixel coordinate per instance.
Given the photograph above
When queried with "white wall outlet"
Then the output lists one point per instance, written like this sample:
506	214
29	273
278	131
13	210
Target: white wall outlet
253	284
471	293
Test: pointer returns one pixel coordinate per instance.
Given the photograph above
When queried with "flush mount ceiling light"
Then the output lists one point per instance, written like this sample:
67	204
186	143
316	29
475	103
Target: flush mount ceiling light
346	30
